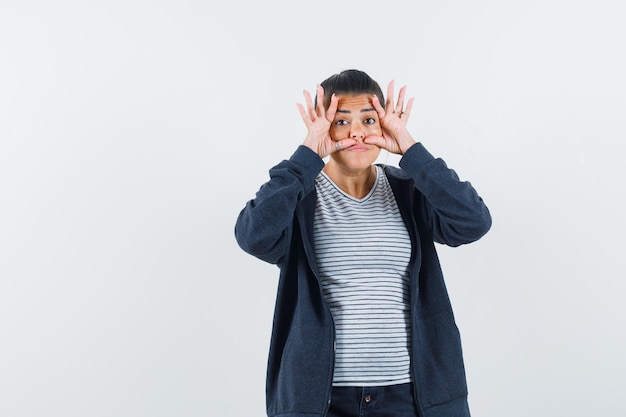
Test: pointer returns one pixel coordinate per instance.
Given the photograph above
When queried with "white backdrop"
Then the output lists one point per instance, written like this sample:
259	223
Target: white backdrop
132	133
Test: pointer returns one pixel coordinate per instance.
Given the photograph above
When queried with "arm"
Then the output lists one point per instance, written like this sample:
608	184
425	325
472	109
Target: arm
263	227
453	209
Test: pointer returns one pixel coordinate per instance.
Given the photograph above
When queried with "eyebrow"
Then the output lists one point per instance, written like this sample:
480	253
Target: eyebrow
362	110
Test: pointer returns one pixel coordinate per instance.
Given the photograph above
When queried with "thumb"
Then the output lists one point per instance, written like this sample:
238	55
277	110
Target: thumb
345	143
375	140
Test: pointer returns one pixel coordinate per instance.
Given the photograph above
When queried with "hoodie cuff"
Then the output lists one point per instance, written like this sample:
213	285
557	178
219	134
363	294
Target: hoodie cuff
415	158
308	159
309	165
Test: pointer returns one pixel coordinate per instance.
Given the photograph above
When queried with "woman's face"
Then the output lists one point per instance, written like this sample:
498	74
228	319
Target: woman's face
357	119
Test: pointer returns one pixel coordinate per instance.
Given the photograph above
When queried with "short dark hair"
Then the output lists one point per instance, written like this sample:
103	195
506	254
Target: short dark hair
350	82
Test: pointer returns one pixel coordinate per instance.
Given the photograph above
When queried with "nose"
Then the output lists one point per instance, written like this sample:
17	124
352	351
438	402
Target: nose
356	131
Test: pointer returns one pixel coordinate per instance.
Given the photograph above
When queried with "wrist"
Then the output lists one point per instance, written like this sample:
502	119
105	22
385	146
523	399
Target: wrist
405	142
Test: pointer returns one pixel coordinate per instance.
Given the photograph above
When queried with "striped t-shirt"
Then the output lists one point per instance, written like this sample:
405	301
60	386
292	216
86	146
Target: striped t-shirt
363	251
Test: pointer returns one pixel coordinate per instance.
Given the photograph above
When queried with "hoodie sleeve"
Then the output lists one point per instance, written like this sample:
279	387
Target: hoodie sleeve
263	227
455	212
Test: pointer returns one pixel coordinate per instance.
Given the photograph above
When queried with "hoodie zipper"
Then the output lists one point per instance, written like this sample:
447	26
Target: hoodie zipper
332	368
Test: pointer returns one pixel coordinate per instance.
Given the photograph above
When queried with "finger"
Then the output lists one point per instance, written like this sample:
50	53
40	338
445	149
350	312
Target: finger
407	109
400	102
309	105
321	111
343	144
332	108
389	101
375	140
378	107
303	114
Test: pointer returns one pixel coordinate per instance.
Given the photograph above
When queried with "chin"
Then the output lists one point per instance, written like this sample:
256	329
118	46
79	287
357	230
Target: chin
357	160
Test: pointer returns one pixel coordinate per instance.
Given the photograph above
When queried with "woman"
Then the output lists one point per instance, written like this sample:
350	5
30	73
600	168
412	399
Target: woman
363	323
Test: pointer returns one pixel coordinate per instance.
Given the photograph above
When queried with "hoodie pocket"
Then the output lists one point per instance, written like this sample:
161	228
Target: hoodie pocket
438	359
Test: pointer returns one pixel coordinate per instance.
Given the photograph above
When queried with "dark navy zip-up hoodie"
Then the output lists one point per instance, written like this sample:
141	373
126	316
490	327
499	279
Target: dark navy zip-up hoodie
277	227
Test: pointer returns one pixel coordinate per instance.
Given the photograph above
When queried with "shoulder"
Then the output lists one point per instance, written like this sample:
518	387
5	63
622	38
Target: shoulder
399	180
395	173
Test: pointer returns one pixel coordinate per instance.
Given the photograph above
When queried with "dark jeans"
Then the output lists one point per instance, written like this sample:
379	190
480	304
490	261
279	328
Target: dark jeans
391	401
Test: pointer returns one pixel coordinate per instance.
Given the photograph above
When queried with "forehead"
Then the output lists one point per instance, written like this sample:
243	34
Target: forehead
354	102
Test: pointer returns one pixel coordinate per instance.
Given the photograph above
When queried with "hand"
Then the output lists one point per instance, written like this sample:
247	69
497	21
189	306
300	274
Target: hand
396	138
318	123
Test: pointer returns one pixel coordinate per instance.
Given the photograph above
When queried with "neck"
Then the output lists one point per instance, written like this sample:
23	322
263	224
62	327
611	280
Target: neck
355	183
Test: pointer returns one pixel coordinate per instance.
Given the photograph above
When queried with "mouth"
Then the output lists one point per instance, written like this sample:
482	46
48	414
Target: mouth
358	148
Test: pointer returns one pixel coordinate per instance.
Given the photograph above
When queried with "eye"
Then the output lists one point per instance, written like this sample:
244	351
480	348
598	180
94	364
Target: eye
341	122
369	121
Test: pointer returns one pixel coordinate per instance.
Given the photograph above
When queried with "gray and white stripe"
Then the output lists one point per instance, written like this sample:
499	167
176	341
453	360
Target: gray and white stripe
363	251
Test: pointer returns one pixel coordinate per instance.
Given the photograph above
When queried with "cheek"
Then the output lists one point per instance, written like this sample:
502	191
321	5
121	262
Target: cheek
338	132
375	130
